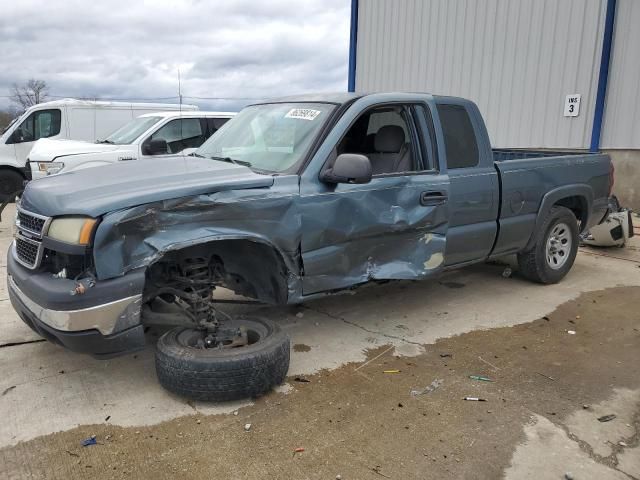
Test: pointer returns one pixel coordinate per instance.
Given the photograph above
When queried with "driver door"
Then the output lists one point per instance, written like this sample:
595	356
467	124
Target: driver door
40	124
393	227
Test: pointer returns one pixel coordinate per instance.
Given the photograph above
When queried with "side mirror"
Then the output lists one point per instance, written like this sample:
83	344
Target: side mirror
348	168
156	146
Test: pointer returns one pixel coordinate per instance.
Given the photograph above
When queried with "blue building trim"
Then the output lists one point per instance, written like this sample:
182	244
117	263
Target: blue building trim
604	75
353	41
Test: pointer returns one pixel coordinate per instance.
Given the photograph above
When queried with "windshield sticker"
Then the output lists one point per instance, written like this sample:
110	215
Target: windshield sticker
303	113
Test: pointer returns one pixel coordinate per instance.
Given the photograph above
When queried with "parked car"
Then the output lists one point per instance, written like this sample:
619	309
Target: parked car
68	118
293	199
151	135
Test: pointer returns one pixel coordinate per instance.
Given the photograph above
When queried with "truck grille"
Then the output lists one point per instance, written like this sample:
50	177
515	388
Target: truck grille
30	222
27	252
28	246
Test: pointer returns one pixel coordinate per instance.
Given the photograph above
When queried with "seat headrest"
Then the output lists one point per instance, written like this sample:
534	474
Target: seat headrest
389	139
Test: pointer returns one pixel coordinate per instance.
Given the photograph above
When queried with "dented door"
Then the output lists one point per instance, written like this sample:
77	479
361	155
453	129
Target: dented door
391	228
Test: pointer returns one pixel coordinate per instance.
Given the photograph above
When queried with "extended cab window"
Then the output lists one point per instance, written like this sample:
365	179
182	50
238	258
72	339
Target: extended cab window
180	134
459	136
41	124
383	135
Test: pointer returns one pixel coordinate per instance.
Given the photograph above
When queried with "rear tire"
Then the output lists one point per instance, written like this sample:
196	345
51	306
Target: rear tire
555	248
223	374
10	183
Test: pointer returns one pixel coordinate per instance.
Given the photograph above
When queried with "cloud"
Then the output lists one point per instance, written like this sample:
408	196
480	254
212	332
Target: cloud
133	49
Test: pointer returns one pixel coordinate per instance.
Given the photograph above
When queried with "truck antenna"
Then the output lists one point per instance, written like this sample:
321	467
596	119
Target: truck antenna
180	90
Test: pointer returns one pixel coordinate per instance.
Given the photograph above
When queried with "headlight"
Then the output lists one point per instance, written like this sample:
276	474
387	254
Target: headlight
76	230
50	168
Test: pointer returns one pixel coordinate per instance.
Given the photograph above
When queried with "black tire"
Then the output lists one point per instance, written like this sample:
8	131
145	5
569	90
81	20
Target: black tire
224	374
534	264
10	183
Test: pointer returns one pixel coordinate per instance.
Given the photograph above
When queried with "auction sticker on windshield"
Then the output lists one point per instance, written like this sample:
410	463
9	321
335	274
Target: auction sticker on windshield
303	113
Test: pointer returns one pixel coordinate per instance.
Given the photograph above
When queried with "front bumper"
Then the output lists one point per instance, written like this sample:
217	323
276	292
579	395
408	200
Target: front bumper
104	321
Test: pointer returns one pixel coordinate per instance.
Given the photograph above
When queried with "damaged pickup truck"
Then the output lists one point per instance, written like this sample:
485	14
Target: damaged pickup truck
292	199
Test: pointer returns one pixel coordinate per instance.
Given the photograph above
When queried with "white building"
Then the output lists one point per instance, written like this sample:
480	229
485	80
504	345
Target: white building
524	62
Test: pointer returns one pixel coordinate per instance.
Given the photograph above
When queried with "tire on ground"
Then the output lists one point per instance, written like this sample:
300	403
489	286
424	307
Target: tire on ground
533	263
224	374
10	183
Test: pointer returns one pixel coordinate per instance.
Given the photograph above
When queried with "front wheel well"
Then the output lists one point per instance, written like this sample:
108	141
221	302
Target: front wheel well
248	268
578	205
12	169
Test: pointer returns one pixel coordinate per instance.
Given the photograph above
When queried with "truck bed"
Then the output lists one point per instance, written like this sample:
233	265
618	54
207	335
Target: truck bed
532	179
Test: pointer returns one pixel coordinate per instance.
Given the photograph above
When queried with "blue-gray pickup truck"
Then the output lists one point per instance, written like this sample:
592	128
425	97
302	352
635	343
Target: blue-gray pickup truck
292	199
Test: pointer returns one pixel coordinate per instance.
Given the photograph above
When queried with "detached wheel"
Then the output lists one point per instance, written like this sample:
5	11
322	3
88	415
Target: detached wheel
555	249
230	370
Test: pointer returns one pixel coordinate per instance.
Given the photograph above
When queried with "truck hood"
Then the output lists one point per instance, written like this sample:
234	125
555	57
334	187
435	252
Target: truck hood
96	191
46	150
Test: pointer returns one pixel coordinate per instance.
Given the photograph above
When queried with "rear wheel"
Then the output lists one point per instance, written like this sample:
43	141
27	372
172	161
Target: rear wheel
555	249
247	357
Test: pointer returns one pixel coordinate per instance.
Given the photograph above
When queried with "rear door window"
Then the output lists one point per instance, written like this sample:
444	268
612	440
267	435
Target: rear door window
459	137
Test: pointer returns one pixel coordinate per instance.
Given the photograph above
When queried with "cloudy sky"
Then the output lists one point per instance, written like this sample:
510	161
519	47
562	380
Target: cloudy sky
133	48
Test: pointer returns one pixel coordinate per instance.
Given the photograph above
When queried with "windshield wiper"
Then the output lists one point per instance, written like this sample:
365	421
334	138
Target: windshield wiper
105	141
194	154
232	160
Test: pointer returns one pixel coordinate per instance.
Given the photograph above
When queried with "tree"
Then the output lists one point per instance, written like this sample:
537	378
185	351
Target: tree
30	93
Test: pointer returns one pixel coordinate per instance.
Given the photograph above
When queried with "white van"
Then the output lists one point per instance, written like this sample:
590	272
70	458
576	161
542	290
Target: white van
151	135
68	118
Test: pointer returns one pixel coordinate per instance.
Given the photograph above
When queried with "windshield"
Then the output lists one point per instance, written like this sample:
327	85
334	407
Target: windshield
127	134
273	137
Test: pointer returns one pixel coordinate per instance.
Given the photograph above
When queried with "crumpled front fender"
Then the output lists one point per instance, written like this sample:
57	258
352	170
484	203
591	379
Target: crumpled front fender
137	237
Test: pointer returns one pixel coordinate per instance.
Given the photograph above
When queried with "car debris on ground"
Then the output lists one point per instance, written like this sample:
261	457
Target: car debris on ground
428	389
87	442
615	231
607	418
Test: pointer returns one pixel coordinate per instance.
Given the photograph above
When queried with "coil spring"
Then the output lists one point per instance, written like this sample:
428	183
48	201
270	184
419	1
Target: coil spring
197	273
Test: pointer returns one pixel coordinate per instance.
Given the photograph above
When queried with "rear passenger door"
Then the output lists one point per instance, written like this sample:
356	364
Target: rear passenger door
474	189
393	227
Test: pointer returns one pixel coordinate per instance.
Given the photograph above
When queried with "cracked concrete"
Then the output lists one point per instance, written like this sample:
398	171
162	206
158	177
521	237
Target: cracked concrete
548	453
603	437
365	329
582	445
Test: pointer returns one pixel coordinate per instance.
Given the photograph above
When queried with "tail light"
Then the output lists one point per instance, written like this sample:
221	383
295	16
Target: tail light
612	171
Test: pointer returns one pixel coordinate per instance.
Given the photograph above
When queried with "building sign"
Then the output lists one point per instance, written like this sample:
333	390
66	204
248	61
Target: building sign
572	105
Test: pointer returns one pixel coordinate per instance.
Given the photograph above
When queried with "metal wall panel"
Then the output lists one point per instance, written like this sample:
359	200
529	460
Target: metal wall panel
621	127
517	59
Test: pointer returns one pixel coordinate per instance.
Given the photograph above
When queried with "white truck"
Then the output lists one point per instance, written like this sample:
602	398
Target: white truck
63	119
150	135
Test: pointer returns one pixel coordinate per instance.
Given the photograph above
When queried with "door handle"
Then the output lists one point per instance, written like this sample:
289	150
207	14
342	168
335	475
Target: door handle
433	198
